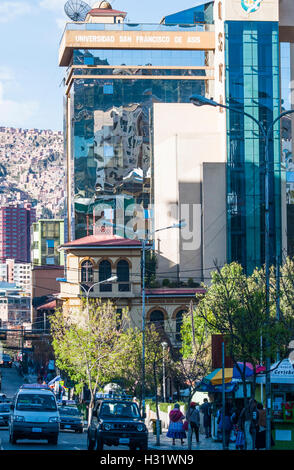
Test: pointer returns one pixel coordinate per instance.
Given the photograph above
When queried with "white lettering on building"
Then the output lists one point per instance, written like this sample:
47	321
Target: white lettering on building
95	39
154	39
194	40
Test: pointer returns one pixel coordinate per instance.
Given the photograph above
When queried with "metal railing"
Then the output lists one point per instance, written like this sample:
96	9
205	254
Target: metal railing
137	27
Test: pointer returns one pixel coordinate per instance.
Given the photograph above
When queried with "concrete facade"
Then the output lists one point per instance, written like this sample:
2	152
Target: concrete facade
168	303
186	139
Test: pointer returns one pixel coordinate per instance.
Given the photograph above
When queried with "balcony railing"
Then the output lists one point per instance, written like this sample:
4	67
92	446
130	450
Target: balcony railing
137	27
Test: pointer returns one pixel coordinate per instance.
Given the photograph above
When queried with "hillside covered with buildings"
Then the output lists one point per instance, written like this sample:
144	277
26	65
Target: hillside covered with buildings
32	169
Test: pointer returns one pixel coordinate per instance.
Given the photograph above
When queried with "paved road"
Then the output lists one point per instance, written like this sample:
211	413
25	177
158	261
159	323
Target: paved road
69	440
11	381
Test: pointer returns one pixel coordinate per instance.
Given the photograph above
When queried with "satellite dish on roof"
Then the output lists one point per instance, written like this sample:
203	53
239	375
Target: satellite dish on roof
77	10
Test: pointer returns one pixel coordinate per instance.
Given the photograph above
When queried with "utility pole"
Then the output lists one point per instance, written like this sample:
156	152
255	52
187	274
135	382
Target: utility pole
278	295
192	323
223	396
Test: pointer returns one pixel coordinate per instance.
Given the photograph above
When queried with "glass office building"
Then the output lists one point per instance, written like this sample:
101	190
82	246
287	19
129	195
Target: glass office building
252	86
227	50
111	94
112	128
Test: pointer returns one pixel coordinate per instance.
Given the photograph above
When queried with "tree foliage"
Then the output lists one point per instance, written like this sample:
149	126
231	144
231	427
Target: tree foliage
234	306
86	343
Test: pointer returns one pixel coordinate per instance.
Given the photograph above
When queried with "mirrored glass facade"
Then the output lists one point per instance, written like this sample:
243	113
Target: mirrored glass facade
111	119
252	86
286	50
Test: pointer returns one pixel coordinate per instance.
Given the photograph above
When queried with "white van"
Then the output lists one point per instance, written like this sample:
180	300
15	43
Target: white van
34	415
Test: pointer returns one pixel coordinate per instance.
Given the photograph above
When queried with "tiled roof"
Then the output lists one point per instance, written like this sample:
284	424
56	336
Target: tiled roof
102	241
106	12
49	306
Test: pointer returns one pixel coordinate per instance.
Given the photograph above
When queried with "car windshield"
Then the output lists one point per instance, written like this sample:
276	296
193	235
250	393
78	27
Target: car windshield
4	408
120	410
36	402
67	411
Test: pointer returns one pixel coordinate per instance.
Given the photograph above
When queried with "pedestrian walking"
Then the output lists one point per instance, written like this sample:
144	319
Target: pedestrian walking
176	426
193	418
254	414
261	433
246	425
206	410
225	422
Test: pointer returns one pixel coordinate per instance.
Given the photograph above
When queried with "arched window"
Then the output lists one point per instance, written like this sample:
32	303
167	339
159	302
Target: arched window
105	273
123	276
179	323
87	271
157	317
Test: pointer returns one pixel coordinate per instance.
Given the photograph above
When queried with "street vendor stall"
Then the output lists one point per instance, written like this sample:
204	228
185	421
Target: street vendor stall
282	399
233	389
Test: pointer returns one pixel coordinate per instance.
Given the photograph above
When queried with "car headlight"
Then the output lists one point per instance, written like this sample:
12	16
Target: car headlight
107	427
54	419
141	427
18	418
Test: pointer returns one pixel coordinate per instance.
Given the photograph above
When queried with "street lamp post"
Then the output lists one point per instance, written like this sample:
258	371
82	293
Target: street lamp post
144	244
87	291
199	100
164	345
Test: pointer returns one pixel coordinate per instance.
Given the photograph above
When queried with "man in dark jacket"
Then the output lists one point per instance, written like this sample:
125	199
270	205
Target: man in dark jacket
206	410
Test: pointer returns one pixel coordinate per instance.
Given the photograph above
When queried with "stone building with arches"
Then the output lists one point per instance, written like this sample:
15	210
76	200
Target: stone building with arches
92	260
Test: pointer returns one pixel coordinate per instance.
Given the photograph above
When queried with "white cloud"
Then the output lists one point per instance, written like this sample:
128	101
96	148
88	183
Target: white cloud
61	22
16	113
58	5
6	73
53	5
9	10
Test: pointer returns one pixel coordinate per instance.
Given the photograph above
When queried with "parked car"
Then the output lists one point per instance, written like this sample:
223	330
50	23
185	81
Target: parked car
70	417
3	398
117	422
5	360
4	413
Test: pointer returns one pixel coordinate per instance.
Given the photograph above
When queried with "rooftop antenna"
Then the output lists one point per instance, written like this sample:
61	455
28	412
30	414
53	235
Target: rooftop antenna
77	10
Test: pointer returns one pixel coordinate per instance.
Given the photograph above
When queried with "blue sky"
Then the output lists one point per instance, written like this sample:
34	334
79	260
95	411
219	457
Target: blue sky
31	94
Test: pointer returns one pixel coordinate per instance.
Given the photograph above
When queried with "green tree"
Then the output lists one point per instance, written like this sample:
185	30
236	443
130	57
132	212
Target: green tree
234	306
129	359
285	295
85	344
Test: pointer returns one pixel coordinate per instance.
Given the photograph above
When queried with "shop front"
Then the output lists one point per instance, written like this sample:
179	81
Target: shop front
282	399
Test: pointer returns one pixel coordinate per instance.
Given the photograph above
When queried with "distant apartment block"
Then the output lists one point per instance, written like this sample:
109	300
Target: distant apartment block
47	236
15	307
15	229
18	273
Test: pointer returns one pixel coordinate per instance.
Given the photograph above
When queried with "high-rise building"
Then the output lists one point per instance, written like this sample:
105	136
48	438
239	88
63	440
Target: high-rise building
47	236
15	229
116	72
138	151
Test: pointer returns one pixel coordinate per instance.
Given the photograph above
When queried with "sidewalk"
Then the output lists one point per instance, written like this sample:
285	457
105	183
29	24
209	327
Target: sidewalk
204	444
